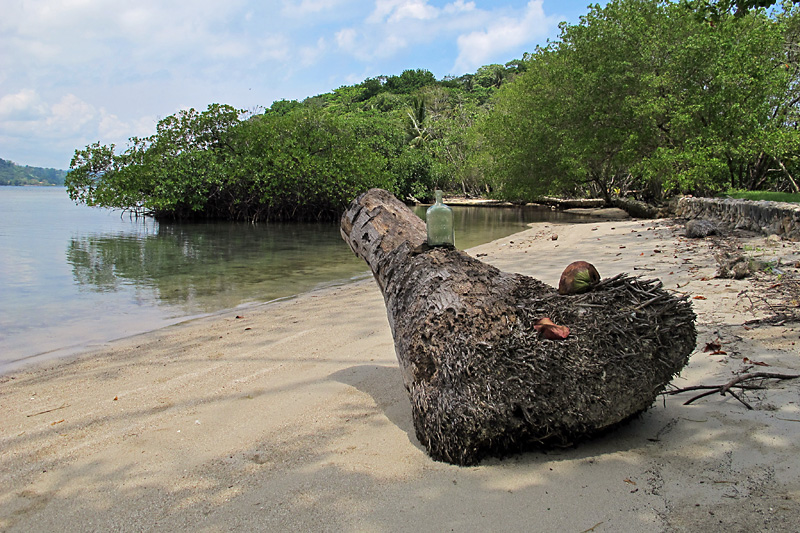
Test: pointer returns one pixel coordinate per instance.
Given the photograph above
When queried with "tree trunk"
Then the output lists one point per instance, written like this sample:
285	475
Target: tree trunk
786	172
480	378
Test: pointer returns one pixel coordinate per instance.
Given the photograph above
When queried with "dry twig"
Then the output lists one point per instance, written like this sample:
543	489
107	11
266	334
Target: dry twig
740	382
48	410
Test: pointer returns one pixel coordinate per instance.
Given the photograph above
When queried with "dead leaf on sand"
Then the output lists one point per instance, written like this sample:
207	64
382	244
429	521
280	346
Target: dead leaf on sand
712	346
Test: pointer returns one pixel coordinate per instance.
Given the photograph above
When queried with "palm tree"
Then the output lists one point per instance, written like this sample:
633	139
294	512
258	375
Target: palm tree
416	129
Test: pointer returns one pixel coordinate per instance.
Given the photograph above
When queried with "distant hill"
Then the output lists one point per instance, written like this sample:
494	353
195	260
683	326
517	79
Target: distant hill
13	174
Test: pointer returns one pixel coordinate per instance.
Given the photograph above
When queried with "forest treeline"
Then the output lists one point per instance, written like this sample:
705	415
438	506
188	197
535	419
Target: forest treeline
14	174
641	98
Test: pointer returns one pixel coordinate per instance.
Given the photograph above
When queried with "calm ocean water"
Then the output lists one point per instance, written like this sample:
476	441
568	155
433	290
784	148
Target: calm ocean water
73	276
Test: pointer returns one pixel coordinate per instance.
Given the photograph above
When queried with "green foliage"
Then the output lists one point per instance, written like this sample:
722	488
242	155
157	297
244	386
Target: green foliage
174	173
282	107
526	153
13	174
299	160
92	178
645	97
490	76
714	10
410	81
414	169
302	164
307	165
770	196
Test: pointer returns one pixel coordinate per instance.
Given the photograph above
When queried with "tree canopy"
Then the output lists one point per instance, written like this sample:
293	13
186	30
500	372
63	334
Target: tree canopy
715	9
296	160
645	96
641	97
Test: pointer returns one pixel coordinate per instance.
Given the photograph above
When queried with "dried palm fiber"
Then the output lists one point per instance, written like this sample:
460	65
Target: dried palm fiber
480	379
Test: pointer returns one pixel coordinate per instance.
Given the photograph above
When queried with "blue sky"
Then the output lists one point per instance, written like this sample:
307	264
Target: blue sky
73	72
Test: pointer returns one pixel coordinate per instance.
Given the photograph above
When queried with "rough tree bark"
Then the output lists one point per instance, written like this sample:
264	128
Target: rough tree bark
480	379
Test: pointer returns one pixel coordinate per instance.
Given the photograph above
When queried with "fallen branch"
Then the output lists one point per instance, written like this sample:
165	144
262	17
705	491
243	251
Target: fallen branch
738	382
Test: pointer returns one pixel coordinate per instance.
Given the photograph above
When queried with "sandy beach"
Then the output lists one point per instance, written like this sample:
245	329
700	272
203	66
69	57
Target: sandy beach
292	416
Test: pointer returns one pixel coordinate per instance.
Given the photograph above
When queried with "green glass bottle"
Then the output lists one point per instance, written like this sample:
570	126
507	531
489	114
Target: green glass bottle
439	220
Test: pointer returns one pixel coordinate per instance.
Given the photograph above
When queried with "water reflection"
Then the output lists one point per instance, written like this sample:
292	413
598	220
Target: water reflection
208	267
478	225
71	276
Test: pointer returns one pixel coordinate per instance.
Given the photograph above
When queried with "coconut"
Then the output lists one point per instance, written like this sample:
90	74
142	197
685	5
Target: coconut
577	278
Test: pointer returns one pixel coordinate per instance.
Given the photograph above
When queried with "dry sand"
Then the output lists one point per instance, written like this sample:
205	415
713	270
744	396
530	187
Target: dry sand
294	418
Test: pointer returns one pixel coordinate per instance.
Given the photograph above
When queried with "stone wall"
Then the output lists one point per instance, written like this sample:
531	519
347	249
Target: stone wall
764	217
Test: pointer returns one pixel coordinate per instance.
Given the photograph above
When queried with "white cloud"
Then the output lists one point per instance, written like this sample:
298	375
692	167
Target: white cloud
308	7
79	71
397	27
110	126
310	55
502	35
21	106
392	27
136	20
347	39
414	9
228	49
27	117
142	34
70	114
383	8
391	45
268	48
459	6
397	10
369	46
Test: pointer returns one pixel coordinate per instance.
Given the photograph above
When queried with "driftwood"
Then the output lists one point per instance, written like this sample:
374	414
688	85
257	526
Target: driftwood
481	380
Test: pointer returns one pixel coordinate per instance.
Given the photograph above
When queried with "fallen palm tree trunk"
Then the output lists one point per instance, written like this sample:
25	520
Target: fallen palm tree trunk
481	379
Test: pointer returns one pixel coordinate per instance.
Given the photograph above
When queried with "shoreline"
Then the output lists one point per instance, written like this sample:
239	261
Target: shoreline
84	302
295	417
93	342
79	349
